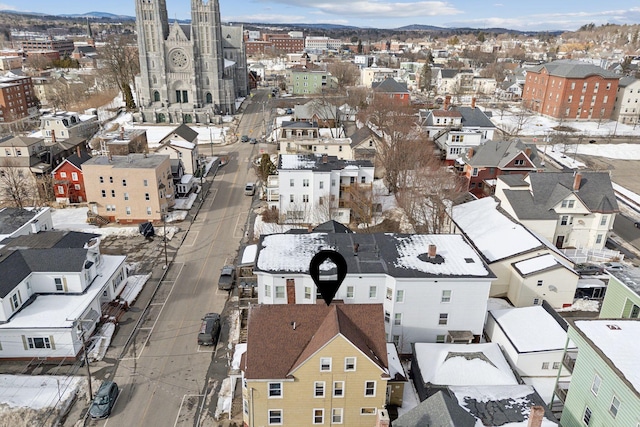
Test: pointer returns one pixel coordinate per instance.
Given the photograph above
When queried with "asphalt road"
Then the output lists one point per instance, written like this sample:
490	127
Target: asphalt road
166	379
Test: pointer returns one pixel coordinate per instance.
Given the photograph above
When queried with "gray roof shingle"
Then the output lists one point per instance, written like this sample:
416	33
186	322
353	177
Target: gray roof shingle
573	69
438	410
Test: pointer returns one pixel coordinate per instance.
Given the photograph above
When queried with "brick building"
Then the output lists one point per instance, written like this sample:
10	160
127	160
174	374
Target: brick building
17	99
64	47
570	90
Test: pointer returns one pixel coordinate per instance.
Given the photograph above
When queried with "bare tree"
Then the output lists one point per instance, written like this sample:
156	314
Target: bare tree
361	203
357	97
17	186
120	59
346	73
325	210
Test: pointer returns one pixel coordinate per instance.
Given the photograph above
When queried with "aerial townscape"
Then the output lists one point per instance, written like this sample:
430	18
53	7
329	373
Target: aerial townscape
409	214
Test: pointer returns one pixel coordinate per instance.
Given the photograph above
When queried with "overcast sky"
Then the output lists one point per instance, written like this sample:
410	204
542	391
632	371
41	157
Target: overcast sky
519	15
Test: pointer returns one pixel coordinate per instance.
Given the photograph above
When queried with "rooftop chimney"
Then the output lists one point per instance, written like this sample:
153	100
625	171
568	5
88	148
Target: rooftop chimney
473	102
53	135
527	151
325	159
78	150
536	416
447	102
122	133
470	153
576	181
432	251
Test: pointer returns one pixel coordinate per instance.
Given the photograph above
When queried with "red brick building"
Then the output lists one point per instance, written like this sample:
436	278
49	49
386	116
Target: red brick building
274	44
17	99
68	181
570	90
390	88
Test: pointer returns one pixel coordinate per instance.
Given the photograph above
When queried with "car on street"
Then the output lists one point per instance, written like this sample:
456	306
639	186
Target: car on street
253	141
636	224
244	138
105	400
613	266
592	141
227	278
585	269
249	189
209	329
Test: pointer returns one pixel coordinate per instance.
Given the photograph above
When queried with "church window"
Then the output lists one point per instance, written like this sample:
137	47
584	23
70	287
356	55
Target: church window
155	80
178	96
209	98
185	96
207	80
156	96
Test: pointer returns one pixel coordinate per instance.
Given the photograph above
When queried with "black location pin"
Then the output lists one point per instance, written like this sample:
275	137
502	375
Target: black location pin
328	286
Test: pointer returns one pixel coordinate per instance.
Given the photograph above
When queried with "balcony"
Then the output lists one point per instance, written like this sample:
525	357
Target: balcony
562	389
569	360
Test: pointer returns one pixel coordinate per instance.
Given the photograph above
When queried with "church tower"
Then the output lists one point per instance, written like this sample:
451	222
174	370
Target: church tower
184	77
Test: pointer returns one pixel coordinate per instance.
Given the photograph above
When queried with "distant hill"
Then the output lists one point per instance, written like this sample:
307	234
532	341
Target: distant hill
100	15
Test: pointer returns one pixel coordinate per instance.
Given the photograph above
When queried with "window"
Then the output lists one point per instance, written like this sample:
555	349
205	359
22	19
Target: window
148	210
321	185
474	172
615	406
539	283
74	176
275	389
400	295
318	416
307	292
127	210
60	189
564	219
367	411
76	186
291	199
556	365
338	389
397	319
536	301
305	198
595	385
63	174
439	339
446	296
113	193
279	291
387	317
599	238
336	416
104	193
518	162
124	182
101	180
267	291
349	364
145	183
373	290
58	282
126	196
39	342
325	364
586	418
545	365
275	416
291	183
110	180
349	291
389	294
370	388
305	182
146	196
318	389
443	319
604	219
15	301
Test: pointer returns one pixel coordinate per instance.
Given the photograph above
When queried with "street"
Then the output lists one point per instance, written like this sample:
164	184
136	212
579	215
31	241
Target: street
166	379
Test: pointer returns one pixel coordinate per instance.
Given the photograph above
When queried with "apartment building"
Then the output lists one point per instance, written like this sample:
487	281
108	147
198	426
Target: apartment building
627	107
17	99
68	180
60	126
304	82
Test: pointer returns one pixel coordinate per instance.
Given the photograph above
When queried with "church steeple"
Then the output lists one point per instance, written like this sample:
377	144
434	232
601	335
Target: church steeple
90	40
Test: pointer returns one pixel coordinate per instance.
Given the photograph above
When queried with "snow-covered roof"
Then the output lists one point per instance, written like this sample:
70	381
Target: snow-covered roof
536	264
531	329
501	405
395	367
493	233
397	255
186	179
463	364
59	311
618	341
183	144
293	161
249	254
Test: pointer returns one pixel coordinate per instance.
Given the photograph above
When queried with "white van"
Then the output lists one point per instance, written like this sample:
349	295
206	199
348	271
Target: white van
250	189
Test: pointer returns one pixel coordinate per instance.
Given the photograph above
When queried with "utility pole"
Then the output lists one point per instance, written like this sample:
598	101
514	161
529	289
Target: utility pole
84	346
164	232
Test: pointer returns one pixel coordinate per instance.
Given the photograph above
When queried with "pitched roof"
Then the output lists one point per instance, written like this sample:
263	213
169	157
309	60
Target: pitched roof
280	338
332	227
184	132
360	135
573	69
76	160
315	162
626	81
14	270
50	239
499	154
474	117
547	189
439	410
389	86
322	109
13	218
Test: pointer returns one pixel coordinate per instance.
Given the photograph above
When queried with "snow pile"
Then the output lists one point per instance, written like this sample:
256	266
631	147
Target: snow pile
186	203
27	400
132	288
225	397
583	305
101	341
241	348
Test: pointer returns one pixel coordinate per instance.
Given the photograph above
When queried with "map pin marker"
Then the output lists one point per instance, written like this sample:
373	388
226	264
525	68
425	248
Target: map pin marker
328	284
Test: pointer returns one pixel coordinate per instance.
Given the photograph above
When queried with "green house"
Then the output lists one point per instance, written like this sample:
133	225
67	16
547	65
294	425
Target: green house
622	299
306	82
604	390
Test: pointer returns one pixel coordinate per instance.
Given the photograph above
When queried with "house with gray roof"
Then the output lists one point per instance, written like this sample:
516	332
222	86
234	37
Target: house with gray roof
16	222
392	89
54	284
483	164
432	287
182	144
570	209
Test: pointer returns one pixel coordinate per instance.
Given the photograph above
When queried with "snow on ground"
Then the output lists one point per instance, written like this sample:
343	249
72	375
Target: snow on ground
540	125
186	203
260	227
225	397
155	133
241	348
100	342
28	400
583	305
133	287
409	396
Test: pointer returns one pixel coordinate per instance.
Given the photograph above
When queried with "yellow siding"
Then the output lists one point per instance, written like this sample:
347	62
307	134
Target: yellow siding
298	401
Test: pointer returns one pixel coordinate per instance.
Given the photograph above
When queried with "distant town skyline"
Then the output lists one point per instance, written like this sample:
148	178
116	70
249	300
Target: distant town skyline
542	15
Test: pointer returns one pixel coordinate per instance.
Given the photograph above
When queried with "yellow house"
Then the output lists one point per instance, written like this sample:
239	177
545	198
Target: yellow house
310	365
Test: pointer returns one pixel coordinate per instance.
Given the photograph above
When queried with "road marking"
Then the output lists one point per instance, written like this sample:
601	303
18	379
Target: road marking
191	238
238	232
182	404
206	349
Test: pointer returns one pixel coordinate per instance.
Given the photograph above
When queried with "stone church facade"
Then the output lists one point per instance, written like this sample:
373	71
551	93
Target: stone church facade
188	73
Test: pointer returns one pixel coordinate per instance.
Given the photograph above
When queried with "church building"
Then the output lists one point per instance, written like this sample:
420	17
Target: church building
189	73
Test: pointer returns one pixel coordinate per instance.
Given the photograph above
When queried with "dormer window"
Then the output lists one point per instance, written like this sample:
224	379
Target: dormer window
568	204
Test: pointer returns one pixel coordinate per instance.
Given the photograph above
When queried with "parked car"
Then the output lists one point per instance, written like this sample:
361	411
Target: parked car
105	400
613	266
585	269
244	138
253	141
636	224
209	329
250	189
227	277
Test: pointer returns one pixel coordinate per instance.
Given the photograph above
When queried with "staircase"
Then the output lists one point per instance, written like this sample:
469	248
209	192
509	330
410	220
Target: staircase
95	219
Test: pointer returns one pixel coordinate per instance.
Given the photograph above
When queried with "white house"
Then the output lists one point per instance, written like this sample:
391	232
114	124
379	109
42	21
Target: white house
570	209
434	288
16	222
318	188
51	295
182	144
533	339
528	269
65	125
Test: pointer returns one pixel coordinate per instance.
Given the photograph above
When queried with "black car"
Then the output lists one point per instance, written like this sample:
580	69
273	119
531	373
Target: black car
244	138
105	400
209	329
227	277
585	269
636	224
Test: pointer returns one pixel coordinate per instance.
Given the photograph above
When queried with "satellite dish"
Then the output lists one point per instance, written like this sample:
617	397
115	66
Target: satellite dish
553	288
